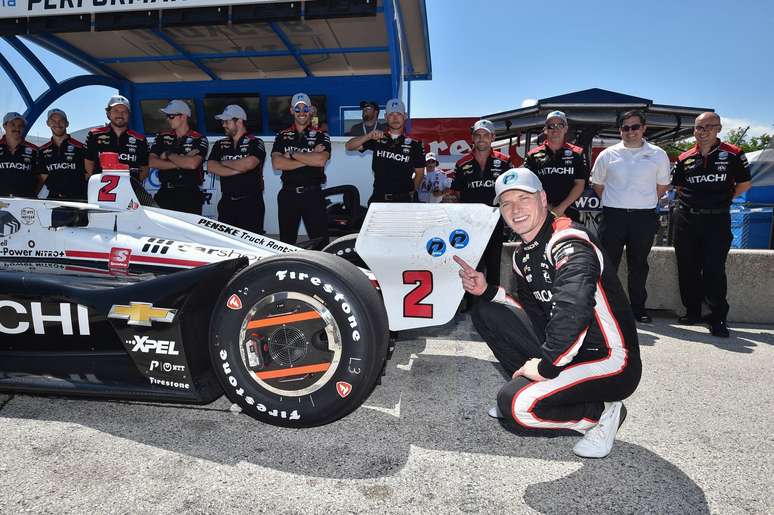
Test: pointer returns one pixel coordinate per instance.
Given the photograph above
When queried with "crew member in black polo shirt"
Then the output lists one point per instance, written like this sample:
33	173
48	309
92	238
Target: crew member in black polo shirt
116	136
474	179
301	152
61	161
18	160
396	157
370	119
178	154
707	178
561	167
238	160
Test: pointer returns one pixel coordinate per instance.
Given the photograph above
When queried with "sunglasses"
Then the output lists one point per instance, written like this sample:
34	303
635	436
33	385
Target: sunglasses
703	128
554	126
172	116
304	109
627	128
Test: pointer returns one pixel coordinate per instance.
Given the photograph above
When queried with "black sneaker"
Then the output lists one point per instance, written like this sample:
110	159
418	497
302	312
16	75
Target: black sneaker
719	329
643	318
689	319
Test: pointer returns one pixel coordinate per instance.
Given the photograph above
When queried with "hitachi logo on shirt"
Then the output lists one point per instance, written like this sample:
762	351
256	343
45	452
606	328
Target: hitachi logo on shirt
557	170
386	154
713	177
15	166
60	166
489	183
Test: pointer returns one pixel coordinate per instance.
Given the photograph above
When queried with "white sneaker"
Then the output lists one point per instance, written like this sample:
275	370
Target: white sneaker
494	412
598	441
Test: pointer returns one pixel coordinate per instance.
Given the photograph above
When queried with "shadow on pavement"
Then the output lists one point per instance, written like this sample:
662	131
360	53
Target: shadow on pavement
427	400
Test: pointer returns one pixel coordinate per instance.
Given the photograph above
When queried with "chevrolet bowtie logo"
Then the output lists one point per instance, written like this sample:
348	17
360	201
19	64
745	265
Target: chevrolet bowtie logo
142	313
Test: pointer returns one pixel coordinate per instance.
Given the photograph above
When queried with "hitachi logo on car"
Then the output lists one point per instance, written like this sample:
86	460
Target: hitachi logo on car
39	320
145	344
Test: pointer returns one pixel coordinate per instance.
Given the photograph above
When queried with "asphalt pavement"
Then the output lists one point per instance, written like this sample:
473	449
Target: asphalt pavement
697	439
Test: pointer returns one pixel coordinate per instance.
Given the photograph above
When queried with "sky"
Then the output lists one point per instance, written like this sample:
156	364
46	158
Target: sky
495	55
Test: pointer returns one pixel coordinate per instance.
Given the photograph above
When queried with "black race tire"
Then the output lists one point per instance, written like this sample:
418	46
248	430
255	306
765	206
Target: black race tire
344	247
336	305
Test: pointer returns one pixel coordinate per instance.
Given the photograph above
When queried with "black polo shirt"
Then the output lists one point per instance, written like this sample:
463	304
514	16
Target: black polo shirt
131	147
708	182
245	184
18	169
394	161
558	170
65	169
476	185
293	140
169	142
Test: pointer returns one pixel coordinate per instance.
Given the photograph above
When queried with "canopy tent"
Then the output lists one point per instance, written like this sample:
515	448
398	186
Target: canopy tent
593	113
342	50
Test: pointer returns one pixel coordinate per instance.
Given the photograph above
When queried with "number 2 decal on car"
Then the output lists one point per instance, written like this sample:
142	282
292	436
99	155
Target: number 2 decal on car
110	183
413	307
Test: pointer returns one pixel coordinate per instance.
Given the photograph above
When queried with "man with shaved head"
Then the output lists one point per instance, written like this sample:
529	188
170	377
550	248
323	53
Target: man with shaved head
707	177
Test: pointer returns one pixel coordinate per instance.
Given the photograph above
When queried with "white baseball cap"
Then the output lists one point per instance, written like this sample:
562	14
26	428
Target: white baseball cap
176	107
557	114
300	98
230	112
118	100
13	115
394	105
517	179
484	125
430	156
54	111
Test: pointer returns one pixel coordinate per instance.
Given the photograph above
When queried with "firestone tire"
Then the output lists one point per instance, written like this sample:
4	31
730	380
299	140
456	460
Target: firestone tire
299	340
344	247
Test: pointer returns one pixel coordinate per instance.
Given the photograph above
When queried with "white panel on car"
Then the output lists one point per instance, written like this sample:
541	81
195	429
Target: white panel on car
409	248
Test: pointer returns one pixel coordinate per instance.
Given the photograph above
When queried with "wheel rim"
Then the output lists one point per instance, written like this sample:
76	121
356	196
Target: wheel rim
290	344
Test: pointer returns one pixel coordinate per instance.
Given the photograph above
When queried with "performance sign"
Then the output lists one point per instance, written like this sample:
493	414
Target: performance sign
29	8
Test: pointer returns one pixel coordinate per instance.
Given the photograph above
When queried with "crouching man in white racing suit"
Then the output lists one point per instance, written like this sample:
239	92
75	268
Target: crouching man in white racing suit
570	340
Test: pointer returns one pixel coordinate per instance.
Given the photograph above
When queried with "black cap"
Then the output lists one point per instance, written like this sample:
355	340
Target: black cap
372	103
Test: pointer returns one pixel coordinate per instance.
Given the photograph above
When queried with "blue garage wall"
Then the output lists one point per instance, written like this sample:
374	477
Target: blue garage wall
340	91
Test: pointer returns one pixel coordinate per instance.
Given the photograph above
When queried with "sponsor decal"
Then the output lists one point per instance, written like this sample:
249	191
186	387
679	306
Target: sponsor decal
132	206
343	388
459	239
27	215
436	247
8	224
234	302
386	154
293	415
132	140
547	276
119	258
147	345
40	321
723	155
166	367
712	177
510	178
568	152
173	384
142	313
542	295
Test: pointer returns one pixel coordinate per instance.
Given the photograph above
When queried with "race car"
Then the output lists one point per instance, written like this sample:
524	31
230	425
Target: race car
116	298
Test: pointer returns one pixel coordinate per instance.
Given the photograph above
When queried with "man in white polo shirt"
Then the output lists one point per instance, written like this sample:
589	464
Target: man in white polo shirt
630	177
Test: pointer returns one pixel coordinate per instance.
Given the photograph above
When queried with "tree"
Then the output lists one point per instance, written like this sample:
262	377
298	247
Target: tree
737	136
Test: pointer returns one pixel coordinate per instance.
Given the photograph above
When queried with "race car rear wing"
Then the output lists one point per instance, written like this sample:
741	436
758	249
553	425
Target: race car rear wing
410	249
112	189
